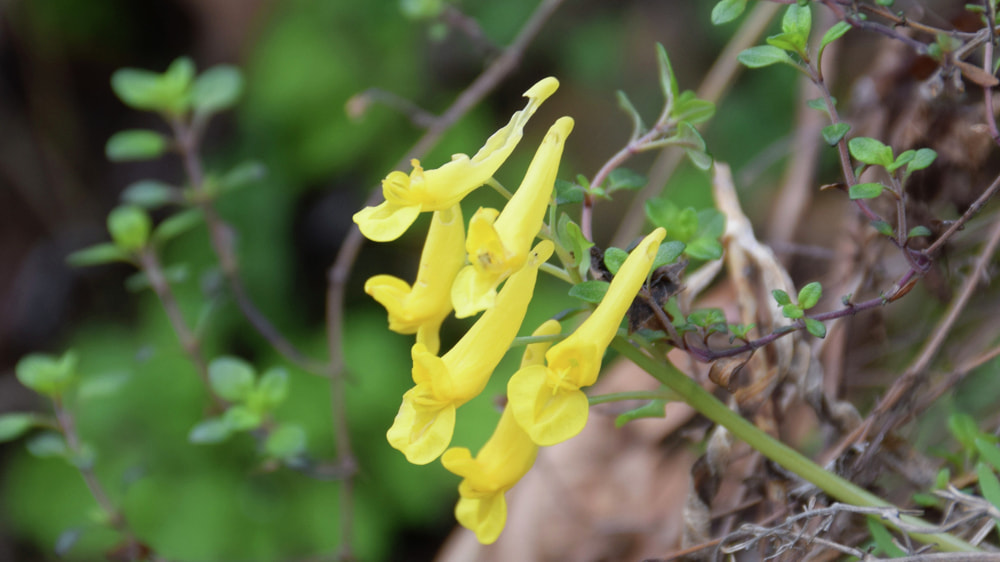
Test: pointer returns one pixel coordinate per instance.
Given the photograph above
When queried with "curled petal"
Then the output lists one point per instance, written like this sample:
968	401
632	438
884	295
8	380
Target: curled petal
548	414
423	428
484	516
387	221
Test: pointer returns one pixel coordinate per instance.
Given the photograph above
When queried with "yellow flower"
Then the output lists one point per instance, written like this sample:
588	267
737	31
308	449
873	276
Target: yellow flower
407	195
546	400
426	419
503	460
498	245
422	308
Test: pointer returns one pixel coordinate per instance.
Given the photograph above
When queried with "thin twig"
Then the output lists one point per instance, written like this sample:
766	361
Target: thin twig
340	270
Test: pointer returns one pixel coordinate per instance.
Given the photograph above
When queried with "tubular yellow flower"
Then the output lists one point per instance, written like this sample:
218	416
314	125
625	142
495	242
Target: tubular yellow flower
498	245
546	400
501	463
426	419
407	195
422	308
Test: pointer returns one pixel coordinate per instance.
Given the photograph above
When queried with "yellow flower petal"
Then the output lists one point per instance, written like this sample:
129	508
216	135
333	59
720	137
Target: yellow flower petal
498	245
548	414
423	307
486	516
432	190
423	427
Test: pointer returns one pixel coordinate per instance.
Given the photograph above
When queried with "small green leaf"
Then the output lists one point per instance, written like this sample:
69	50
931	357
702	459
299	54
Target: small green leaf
217	89
286	441
212	430
810	295
614	258
870	151
988	451
819	104
242	175
176	225
668	82
781	297
965	430
652	409
97	255
135	144
701	159
883	538
101	386
47	445
792	311
764	55
988	483
15	425
836	32
690	109
590	291
815	327
923	158
882	228
273	388
150	194
919	231
571	237
568	192
231	378
901	161
129	227
726	11
797	22
173	274
638	127
668	252
623	178
942	479
685	224
242	418
47	375
791	42
169	92
704	248
705	317
833	133
866	190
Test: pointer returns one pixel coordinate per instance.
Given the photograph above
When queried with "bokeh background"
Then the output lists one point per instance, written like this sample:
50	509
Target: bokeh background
303	60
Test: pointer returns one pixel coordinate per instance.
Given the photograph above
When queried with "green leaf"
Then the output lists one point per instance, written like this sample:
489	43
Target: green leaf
833	133
901	161
169	92
923	158
668	252
781	297
231	378
129	227
47	445
623	178
882	228
701	159
988	451
242	175
590	291
704	248
176	225
988	483
836	32
965	430
764	55
101	386
97	255
15	425
217	89
711	223
705	317
638	127
810	295
792	311
47	375
919	231
883	538
690	109
212	430
568	192
797	22
286	441
150	194
571	237
791	42
139	281
273	388
870	151
135	144
242	418
614	258
726	11
668	82
866	190
819	104
815	327
652	409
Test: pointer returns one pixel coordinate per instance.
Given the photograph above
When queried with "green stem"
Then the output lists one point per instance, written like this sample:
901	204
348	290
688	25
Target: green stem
634	395
835	486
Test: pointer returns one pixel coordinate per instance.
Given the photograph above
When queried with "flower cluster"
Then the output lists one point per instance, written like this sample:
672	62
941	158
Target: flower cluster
462	273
